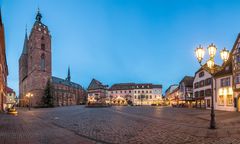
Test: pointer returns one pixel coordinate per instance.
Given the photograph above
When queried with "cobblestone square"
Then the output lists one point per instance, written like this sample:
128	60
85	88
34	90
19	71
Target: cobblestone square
123	125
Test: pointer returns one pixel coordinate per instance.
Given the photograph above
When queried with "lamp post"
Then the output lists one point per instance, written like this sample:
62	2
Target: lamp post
29	95
211	66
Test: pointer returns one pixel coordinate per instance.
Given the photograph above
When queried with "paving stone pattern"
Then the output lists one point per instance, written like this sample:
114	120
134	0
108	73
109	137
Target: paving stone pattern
119	125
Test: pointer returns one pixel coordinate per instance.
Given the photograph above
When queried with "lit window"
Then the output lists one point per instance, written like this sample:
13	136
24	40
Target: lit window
229	100
220	100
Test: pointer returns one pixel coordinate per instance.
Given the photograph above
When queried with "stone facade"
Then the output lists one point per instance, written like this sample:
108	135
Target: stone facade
67	93
35	67
3	67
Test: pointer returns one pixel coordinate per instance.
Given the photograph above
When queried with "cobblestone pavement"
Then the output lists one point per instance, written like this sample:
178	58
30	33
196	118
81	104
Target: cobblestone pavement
133	125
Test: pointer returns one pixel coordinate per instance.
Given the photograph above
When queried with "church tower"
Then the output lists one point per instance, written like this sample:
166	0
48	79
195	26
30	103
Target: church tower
23	68
37	69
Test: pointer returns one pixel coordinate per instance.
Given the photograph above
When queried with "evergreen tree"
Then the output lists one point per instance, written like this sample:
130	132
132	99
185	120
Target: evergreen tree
47	99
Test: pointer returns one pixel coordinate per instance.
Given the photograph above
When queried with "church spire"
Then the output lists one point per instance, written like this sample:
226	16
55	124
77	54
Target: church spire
0	15
69	74
25	42
38	16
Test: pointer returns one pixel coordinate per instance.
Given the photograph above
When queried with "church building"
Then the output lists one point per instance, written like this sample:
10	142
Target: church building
35	70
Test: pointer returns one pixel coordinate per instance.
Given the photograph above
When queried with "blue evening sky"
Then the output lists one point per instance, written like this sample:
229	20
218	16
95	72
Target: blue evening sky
119	41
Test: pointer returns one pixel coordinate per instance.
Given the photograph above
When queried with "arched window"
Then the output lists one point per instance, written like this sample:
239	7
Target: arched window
31	62
42	62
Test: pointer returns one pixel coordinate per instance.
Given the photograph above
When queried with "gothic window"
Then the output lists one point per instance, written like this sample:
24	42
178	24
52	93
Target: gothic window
43	46
42	62
31	62
42	38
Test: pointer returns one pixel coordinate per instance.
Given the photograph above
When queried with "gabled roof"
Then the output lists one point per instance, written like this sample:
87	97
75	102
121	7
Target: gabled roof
188	81
226	69
130	86
171	88
205	67
156	86
123	86
227	66
95	85
24	51
9	90
56	80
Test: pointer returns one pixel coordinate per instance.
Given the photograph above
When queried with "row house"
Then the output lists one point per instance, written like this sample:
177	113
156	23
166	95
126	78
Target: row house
202	91
147	94
97	93
136	94
170	94
3	68
121	94
226	83
186	91
125	93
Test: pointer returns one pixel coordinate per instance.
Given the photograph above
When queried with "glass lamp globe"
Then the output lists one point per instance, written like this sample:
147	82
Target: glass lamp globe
199	53
210	63
212	50
224	54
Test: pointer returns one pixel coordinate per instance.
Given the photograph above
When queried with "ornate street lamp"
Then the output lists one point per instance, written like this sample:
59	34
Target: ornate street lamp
211	66
29	95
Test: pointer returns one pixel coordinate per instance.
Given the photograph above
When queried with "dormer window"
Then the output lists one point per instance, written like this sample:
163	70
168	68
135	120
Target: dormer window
201	74
238	48
227	68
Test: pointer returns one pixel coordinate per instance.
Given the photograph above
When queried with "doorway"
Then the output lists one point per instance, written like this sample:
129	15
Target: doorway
238	103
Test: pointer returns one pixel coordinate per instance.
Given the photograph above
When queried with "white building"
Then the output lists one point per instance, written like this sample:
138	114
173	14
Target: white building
228	81
202	88
136	94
